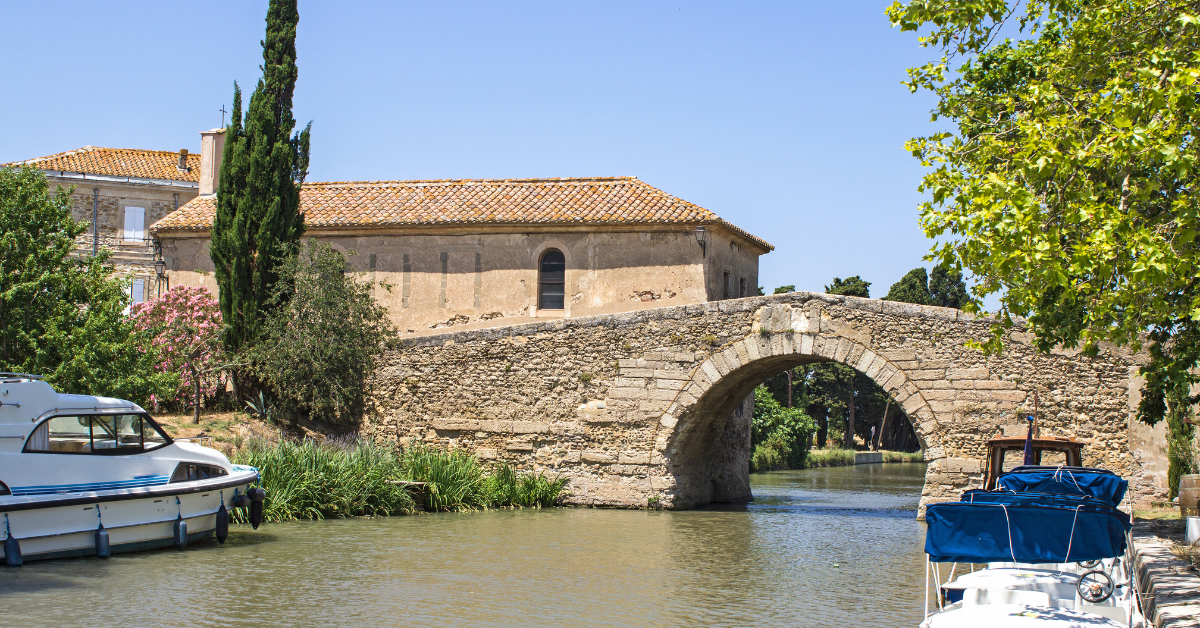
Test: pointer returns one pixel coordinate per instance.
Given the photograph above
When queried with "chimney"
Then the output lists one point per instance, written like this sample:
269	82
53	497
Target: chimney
212	148
183	167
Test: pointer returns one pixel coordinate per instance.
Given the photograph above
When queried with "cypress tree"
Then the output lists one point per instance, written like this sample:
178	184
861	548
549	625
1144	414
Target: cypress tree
912	288
258	216
947	288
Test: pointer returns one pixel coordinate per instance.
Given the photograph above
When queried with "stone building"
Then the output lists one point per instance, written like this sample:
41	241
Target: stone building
486	252
120	192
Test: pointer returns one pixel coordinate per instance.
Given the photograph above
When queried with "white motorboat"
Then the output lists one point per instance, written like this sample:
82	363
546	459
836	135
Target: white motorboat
83	475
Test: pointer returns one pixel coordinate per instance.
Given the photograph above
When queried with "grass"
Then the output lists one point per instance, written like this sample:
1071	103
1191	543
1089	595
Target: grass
307	479
1157	514
766	459
310	480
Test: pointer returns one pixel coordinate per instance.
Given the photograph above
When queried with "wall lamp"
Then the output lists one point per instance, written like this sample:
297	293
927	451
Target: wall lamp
702	239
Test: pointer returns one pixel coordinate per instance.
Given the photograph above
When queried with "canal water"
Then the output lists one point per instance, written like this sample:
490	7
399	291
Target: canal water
818	547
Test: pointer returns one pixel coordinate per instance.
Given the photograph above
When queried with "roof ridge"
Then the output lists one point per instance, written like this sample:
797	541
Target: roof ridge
90	149
382	182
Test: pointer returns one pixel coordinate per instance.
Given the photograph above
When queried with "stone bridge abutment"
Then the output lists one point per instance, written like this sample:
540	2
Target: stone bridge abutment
653	407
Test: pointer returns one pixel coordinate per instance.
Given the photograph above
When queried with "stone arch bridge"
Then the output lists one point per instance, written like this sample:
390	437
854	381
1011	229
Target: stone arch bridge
650	407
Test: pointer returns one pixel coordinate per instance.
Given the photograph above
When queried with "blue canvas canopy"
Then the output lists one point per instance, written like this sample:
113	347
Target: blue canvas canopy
1015	527
980	496
1098	483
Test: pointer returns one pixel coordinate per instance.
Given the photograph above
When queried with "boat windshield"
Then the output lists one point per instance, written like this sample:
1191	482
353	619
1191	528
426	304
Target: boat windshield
98	434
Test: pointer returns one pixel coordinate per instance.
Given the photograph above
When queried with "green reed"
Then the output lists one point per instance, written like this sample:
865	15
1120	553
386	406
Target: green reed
352	477
336	478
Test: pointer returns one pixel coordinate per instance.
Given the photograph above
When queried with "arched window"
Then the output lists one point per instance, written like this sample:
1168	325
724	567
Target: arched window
552	273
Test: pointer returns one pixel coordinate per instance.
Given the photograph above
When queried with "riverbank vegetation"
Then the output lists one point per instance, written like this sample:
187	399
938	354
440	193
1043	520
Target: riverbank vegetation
310	479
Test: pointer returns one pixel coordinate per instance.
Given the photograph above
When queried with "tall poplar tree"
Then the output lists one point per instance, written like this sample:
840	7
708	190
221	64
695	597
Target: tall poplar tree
258	217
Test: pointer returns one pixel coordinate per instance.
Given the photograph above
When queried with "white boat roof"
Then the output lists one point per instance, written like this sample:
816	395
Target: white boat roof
24	398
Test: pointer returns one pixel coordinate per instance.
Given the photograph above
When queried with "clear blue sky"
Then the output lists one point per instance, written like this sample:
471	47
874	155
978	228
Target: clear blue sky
787	119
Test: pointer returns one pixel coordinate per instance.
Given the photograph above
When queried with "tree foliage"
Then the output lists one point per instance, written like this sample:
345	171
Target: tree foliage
945	288
62	316
850	286
258	197
1066	186
185	327
779	435
319	343
913	287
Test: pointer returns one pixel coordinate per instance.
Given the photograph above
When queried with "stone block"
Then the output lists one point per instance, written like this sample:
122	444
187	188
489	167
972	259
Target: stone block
456	425
1007	395
633	457
718	362
994	385
806	344
843	350
519	446
866	361
485	454
630	382
750	346
672	374
926	374
668	421
855	354
895	355
530	427
571	457
496	427
672	384
967	373
625	393
739	349
597	457
911	404
732	359
962	465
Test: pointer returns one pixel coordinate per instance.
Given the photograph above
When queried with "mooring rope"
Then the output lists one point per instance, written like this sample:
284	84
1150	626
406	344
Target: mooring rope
1071	540
1010	541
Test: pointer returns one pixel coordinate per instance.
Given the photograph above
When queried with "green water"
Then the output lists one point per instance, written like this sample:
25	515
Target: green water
820	547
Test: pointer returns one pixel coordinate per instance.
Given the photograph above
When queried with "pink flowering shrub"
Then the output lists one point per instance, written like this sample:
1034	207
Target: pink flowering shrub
185	324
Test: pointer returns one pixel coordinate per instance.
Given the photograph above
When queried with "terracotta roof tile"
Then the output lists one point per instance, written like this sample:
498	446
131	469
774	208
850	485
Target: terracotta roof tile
120	162
381	204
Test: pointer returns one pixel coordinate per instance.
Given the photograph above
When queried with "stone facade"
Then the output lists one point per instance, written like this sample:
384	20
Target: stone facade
649	407
442	278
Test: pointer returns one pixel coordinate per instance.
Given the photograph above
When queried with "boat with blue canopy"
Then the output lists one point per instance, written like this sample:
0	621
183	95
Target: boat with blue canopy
1054	542
1098	483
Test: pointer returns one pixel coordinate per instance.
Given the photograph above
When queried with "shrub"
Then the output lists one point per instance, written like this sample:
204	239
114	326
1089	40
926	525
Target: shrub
185	327
785	431
321	339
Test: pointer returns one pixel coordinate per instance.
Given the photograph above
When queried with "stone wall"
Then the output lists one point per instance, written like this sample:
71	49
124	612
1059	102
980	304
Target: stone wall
635	408
158	201
480	276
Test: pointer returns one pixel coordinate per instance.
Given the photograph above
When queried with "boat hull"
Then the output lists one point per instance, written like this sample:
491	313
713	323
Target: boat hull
65	525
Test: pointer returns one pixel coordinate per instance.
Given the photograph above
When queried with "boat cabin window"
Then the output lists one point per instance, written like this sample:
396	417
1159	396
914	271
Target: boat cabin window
97	433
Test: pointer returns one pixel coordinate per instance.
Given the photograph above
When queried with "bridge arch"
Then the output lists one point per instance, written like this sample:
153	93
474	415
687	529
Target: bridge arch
692	428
